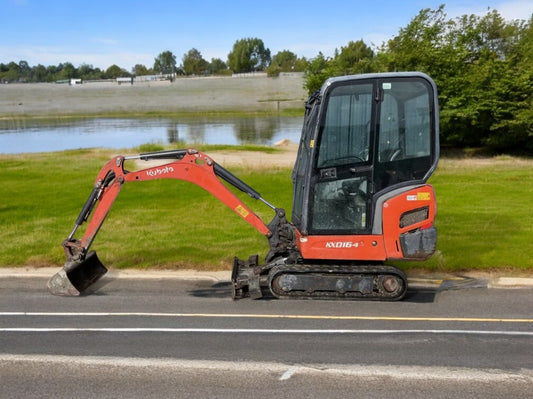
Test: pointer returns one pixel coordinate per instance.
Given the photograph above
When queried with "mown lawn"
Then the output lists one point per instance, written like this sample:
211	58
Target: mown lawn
484	217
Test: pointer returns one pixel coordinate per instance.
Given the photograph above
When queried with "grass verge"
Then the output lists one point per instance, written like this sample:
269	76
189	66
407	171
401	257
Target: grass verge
484	217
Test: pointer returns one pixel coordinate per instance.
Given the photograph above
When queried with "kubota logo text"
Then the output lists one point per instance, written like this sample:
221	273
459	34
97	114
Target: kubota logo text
160	171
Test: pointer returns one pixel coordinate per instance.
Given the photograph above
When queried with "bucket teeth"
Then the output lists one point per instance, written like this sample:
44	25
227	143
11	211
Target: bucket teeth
59	284
76	277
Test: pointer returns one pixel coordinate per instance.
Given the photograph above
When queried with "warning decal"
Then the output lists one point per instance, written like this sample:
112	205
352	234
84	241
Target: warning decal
424	196
241	211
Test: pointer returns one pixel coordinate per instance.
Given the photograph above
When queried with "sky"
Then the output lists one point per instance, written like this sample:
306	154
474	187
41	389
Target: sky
106	32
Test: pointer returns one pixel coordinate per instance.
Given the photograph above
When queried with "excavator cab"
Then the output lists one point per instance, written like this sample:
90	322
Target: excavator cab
365	139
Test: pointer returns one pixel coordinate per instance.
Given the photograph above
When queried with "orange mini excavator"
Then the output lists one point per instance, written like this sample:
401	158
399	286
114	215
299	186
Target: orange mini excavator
369	144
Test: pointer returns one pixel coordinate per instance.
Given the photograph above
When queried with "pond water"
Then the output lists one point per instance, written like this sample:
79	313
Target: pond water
58	135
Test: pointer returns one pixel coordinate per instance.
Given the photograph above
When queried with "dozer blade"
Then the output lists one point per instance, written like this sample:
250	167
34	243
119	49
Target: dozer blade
76	277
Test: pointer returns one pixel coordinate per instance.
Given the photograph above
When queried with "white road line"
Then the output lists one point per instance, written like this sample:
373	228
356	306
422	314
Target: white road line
259	331
355	370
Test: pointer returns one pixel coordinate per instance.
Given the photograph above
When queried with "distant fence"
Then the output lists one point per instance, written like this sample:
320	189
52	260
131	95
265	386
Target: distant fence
71	82
128	79
249	75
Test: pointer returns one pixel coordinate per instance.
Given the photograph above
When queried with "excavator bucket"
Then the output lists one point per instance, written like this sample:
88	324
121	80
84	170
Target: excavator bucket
77	276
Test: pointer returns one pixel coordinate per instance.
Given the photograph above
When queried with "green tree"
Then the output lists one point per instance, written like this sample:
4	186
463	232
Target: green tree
286	61
423	45
85	71
356	57
39	73
114	71
88	72
318	70
486	91
24	70
510	59
194	63
165	63
248	55
67	71
12	74
52	72
217	66
140	70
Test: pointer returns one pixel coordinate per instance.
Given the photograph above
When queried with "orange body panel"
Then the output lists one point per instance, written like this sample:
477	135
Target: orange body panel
373	247
393	209
341	247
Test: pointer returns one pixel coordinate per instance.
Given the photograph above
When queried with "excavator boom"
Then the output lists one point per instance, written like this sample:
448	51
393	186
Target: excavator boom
83	268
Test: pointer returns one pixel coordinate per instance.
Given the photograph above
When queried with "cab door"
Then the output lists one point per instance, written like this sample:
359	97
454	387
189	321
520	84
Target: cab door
341	186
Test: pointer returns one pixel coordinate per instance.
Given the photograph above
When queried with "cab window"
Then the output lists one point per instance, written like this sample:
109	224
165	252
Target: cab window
345	136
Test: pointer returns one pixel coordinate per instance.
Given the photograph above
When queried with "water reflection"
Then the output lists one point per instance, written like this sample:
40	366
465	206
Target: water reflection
196	133
57	134
255	131
173	134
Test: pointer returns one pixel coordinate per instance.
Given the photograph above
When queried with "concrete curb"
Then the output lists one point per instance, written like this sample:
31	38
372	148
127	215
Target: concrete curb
46	272
513	282
447	281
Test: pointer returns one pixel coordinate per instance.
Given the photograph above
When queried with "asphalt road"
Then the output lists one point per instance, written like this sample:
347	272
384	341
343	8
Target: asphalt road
176	338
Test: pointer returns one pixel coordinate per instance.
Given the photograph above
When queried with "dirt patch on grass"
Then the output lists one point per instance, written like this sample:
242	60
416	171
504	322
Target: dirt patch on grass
284	158
256	160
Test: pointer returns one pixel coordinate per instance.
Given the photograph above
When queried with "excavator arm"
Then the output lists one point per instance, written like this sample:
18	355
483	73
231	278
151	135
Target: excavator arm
83	268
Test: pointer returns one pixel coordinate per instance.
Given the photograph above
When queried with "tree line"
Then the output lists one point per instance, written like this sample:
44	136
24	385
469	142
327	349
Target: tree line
247	55
483	67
